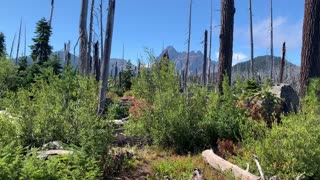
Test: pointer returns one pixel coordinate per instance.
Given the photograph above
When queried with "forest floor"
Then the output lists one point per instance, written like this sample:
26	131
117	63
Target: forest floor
142	161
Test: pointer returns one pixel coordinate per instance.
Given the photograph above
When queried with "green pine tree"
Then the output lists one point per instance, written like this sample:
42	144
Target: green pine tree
127	76
2	45
41	48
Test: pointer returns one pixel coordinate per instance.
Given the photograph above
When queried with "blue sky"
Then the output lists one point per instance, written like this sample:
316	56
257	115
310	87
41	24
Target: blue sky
152	24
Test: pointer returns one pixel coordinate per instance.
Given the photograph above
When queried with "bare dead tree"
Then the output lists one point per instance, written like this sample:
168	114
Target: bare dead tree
19	39
67	55
51	14
105	63
25	41
12	45
251	39
282	61
310	53
226	41
205	59
96	61
210	43
271	40
83	37
188	52
90	37
101	27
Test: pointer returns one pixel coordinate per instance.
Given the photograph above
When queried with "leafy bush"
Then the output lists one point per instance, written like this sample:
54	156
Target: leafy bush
15	164
291	148
61	108
185	122
8	76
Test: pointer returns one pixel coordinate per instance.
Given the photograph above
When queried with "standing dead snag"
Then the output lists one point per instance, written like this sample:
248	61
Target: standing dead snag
105	63
101	28
282	61
186	69
96	61
12	45
310	53
210	45
271	40
205	59
83	37
90	38
18	47
51	14
251	39
226	41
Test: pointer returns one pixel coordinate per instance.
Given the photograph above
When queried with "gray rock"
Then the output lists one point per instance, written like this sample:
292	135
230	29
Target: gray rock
289	96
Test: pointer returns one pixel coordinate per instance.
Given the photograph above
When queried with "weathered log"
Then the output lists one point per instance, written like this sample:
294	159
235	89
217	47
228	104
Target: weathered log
222	165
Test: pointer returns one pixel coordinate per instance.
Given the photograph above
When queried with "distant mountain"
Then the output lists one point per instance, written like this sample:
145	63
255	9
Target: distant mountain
121	63
262	65
196	59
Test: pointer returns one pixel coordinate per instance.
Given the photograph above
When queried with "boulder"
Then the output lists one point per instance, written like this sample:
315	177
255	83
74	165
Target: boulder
288	95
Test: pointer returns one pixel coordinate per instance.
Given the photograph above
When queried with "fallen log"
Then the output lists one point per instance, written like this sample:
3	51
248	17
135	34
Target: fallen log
222	165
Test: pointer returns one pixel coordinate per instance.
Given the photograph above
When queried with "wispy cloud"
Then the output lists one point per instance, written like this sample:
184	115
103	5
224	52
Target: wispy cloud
236	57
283	30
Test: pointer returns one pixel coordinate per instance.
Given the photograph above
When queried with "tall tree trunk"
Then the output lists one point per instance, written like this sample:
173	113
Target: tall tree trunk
251	39
83	37
310	54
12	45
226	41
282	61
96	61
25	41
188	52
67	55
210	45
271	40
90	38
105	64
205	59
19	39
101	27
51	14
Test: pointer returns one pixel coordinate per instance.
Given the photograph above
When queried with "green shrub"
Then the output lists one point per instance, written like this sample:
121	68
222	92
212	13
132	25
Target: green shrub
184	122
292	147
16	164
56	108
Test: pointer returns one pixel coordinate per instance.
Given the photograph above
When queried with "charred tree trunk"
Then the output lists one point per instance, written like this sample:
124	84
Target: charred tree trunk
83	37
90	38
282	61
105	64
19	39
96	61
310	54
25	41
188	52
271	40
210	43
101	28
205	59
51	14
67	55
251	39
12	45
226	41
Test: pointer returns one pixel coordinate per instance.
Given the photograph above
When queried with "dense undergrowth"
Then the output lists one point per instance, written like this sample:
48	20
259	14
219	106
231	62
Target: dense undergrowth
53	105
52	108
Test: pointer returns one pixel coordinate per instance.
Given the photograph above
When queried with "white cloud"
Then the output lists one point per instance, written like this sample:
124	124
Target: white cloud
236	57
291	33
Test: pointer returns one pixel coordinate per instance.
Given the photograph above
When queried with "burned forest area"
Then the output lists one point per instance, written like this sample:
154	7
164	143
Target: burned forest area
241	102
